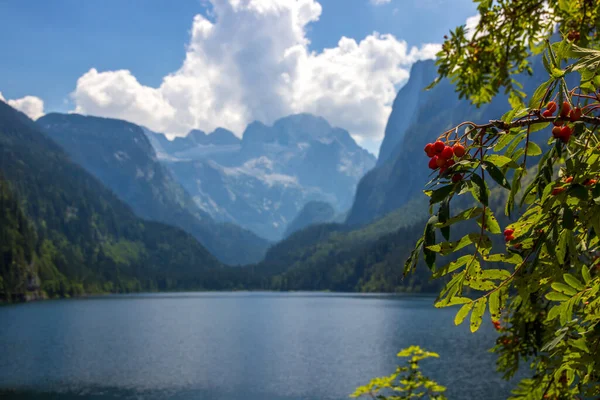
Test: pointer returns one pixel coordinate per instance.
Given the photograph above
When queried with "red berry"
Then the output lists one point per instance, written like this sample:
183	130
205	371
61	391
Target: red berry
497	325
568	180
508	232
433	162
557	191
565	109
439	146
441	161
509	238
556	131
456	178
565	133
459	150
547	113
551	106
575	114
449	163
590	182
447	152
430	150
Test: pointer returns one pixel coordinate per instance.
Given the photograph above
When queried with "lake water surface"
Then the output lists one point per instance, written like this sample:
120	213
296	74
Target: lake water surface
230	346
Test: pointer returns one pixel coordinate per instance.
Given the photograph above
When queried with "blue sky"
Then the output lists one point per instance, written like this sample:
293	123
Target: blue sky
49	45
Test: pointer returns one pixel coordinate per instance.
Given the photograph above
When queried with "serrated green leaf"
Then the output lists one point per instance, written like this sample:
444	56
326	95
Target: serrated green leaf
555	296
440	194
462	216
477	314
495	274
496	174
562	288
538	96
452	301
573	282
585	271
495	305
561	248
533	149
480	190
491	223
462	313
512	258
452	266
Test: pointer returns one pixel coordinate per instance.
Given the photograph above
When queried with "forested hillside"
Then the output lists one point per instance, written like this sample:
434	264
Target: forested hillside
85	239
119	154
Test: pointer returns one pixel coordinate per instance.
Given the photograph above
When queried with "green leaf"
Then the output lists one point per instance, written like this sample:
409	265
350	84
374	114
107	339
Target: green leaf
429	239
562	288
462	216
462	313
538	95
497	159
495	305
516	185
440	194
504	141
446	248
452	301
480	191
512	258
496	174
452	266
573	282
497	274
561	248
533	149
586	274
443	215
555	296
477	314
491	223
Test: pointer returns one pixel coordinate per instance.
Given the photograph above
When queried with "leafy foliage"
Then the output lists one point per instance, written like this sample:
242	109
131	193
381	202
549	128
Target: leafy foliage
406	382
541	288
482	61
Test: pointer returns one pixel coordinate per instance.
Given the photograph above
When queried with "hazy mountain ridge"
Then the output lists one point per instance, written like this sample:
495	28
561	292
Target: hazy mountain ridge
120	155
263	181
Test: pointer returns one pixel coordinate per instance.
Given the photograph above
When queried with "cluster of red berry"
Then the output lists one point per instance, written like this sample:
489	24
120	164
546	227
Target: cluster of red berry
442	157
558	190
497	325
508	235
560	130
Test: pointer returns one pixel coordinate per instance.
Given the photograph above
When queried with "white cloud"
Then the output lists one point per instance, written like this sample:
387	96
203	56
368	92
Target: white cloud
32	106
380	2
253	63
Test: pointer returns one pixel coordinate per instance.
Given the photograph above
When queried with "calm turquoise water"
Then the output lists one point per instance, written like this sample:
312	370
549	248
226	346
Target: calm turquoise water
228	346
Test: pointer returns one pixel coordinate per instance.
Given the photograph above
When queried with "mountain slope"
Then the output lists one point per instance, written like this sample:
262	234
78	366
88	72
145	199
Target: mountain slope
87	239
402	172
313	212
264	180
119	154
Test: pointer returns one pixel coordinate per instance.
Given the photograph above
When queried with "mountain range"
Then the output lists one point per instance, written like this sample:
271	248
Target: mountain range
262	181
93	204
119	155
64	233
